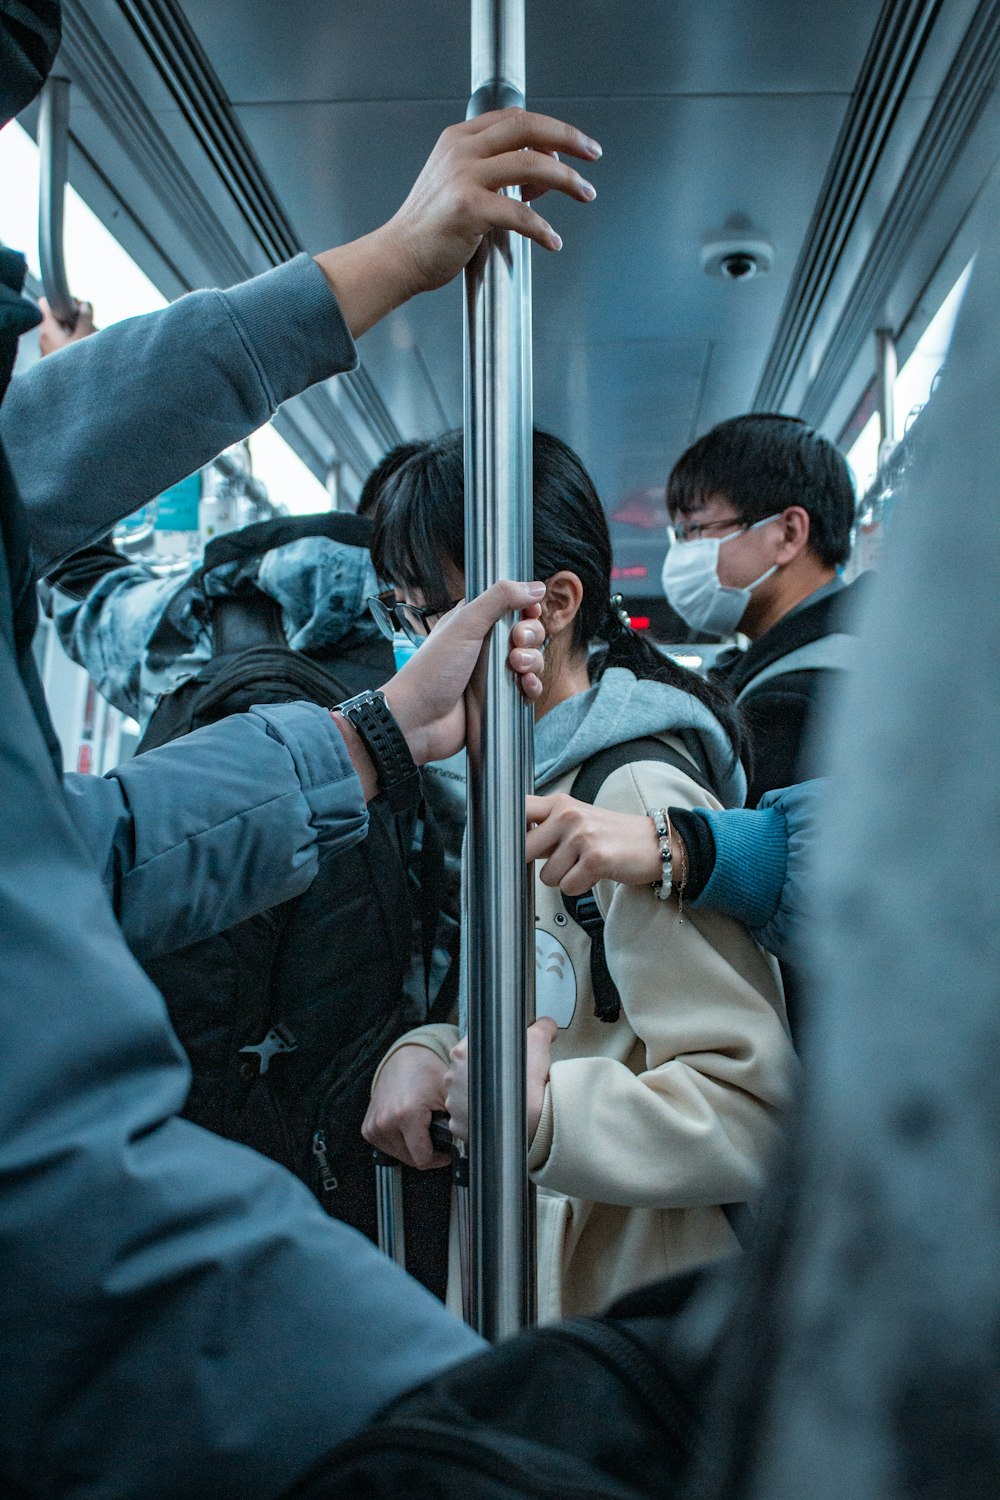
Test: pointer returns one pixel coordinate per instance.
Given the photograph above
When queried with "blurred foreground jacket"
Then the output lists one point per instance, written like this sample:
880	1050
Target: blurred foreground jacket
178	1315
863	1360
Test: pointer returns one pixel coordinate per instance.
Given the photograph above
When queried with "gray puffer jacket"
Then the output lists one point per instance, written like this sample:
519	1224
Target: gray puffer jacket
147	1265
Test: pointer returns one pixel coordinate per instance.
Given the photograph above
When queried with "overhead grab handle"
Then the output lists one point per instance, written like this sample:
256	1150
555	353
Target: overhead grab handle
53	147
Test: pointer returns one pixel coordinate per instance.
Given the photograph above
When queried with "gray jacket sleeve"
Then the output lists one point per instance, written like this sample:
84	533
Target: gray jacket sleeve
178	1315
226	822
99	428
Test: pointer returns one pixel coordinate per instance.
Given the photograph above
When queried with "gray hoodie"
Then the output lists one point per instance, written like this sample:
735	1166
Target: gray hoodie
623	707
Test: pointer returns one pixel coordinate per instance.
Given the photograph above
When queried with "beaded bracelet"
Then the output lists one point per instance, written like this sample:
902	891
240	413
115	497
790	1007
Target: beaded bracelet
668	885
662	825
680	885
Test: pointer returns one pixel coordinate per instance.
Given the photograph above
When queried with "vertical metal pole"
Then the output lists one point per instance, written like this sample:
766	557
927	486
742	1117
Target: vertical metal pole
885	380
53	158
500	944
335	486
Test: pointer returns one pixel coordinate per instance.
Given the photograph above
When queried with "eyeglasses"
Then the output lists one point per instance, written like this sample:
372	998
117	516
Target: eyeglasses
414	620
690	533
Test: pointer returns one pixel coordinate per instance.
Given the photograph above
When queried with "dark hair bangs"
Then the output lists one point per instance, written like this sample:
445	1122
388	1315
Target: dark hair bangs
419	524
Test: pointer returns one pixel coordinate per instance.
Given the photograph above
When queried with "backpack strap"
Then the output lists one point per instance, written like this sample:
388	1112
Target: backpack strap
587	783
827	652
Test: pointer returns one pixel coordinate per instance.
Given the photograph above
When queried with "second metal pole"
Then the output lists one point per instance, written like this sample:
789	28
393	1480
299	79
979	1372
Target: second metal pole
885	380
500	928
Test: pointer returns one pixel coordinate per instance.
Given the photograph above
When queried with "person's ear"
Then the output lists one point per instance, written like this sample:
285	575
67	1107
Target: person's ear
795	534
561	605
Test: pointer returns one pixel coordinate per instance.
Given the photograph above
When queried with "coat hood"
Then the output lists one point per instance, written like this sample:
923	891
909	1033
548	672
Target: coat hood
30	33
140	636
621	706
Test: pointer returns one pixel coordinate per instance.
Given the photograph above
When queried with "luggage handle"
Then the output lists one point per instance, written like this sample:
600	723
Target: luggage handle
389	1201
440	1132
389	1190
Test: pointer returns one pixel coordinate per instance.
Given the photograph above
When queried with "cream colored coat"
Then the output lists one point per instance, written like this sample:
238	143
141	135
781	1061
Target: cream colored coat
653	1121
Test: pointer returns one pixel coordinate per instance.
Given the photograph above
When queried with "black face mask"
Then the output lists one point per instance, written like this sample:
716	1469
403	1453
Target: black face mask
30	32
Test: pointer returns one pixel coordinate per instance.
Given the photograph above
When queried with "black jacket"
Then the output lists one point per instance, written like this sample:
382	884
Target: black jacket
780	707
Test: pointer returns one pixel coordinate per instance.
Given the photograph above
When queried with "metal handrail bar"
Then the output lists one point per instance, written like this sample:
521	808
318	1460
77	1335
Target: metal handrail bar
53	149
498	544
885	381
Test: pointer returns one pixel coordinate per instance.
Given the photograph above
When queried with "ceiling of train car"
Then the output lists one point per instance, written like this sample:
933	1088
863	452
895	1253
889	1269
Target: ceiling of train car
704	112
852	136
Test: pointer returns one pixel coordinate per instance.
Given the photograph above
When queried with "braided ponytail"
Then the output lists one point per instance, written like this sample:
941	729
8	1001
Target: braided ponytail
627	648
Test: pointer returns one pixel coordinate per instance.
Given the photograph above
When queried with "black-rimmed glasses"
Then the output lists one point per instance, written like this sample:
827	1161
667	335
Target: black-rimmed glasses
414	620
683	532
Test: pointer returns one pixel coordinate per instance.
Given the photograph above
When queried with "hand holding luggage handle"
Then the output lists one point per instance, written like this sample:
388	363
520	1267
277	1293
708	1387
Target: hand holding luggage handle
389	1201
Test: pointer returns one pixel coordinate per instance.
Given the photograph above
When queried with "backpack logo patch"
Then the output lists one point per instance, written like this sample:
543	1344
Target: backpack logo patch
555	980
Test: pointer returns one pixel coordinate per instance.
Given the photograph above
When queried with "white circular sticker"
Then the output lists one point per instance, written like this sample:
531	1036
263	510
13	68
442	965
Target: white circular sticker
555	979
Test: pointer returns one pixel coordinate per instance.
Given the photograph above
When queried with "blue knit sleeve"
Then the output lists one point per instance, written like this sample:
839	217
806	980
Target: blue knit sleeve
751	855
763	863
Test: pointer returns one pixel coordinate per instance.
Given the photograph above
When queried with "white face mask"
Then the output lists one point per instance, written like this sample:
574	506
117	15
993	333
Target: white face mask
691	583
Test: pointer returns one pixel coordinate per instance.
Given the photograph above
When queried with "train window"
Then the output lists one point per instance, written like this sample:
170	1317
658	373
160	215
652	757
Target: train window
100	269
97	266
912	386
19	204
289	481
914	381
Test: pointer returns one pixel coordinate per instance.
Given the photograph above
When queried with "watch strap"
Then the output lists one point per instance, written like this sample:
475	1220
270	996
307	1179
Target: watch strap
396	773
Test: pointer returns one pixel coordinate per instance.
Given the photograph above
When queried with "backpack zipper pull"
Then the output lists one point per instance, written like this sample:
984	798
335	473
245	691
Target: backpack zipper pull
325	1172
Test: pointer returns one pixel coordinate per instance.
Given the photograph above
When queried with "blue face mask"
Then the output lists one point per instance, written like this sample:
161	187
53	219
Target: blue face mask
403	648
691	583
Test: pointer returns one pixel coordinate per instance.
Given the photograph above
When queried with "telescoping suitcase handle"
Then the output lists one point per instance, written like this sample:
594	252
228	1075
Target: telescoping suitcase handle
389	1200
441	1136
389	1190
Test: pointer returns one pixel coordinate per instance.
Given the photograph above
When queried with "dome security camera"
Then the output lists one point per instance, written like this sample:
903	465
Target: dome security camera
737	259
738	267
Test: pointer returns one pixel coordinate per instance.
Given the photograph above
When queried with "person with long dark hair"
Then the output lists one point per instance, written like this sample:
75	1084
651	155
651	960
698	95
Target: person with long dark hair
655	1084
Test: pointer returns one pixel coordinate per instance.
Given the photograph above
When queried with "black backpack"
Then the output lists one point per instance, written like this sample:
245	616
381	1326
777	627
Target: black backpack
286	1016
587	1409
251	660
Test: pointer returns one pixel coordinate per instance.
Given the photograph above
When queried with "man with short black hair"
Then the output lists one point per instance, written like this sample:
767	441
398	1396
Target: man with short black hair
761	510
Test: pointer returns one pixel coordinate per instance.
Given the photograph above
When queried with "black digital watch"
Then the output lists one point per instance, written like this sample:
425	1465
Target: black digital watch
395	770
